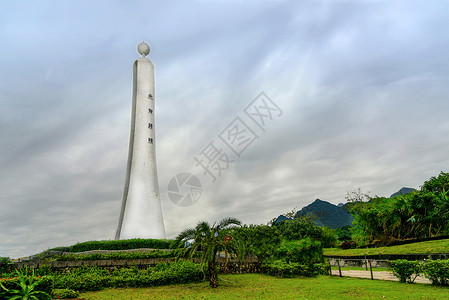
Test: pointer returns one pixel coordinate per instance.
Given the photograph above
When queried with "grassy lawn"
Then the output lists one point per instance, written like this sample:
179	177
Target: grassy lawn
258	286
441	246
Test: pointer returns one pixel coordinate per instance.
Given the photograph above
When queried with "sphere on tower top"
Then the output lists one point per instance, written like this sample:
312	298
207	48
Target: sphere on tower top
143	49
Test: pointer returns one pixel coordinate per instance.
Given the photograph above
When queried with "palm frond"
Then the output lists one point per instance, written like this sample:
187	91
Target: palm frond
226	222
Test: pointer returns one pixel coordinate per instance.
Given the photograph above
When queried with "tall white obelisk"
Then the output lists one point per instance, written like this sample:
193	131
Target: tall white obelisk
141	213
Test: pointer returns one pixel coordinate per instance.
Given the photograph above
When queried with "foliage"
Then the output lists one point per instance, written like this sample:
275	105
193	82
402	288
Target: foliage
26	286
280	268
420	214
209	240
344	233
437	185
119	255
348	245
406	270
260	240
5	263
94	278
117	245
304	227
356	196
64	294
305	251
437	271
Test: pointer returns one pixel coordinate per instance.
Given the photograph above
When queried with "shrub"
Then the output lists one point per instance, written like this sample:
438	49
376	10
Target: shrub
304	251
94	278
64	294
348	245
5	264
305	227
406	270
437	271
280	268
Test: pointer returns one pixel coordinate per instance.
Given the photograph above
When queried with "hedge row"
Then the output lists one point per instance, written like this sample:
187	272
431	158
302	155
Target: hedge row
117	245
281	269
93	278
437	271
119	255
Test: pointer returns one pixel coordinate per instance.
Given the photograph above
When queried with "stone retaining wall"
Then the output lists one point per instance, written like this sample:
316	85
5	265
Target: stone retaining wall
248	265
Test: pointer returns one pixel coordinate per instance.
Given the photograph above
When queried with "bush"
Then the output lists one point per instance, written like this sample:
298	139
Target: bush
118	245
304	251
406	270
5	264
304	227
94	278
437	271
348	245
64	294
280	268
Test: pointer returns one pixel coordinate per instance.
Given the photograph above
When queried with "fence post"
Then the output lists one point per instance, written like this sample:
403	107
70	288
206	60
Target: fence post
371	269
339	268
366	263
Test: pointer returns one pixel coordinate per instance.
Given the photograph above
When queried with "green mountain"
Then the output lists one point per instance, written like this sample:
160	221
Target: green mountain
327	214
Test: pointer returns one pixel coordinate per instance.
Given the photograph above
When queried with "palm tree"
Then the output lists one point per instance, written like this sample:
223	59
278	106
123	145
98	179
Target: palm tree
209	240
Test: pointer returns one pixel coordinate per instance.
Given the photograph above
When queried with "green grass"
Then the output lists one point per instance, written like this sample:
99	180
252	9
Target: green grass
441	246
258	286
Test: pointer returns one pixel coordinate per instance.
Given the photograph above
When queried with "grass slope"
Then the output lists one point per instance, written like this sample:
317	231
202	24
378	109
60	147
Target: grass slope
258	286
440	246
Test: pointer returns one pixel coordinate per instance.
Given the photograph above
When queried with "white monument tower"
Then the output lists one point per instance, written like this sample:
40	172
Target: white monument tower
141	213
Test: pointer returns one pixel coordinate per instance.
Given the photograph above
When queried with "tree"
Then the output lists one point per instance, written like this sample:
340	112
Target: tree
209	240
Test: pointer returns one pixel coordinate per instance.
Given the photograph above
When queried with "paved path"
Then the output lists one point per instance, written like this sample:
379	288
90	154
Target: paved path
379	275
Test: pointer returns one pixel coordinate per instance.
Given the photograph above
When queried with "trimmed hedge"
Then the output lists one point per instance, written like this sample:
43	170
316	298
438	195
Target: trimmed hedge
117	245
282	269
119	255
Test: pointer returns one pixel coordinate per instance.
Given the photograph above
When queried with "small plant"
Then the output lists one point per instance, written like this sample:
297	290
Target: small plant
406	270
26	288
348	245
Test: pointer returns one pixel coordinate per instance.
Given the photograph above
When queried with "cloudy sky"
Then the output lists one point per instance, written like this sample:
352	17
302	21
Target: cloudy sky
361	89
